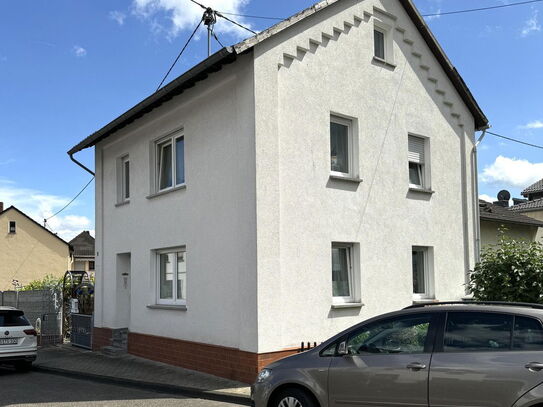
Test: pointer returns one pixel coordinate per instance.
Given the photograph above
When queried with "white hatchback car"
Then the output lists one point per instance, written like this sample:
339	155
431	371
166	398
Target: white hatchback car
18	339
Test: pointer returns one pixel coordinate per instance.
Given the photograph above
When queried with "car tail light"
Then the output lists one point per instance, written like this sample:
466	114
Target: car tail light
30	332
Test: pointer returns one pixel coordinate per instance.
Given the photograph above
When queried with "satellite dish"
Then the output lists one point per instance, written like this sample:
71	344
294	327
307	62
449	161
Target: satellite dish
504	195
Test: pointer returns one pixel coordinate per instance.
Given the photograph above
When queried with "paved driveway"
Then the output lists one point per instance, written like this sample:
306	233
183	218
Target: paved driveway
43	389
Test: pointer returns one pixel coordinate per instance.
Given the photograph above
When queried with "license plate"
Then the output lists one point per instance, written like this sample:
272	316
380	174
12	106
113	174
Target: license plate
9	341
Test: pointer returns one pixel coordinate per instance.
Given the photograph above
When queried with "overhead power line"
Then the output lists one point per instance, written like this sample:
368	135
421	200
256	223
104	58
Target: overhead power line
481	9
514	140
250	16
69	203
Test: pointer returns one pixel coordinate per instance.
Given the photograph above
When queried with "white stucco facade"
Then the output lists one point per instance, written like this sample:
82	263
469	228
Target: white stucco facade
260	211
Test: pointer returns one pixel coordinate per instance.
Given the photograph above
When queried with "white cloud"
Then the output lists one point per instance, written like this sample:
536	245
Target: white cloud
531	25
174	16
40	206
536	124
487	198
512	172
79	51
117	16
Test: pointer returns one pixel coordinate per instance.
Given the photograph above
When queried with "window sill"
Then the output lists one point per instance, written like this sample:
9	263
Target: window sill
166	191
122	203
383	62
345	178
168	307
424	300
348	305
421	190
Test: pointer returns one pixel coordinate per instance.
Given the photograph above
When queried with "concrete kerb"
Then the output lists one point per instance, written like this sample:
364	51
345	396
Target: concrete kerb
157	387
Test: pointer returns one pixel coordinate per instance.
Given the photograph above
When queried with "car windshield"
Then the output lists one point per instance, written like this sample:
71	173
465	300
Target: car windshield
13	318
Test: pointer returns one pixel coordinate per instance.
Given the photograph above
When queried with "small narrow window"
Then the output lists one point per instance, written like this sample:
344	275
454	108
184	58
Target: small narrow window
379	43
125	178
416	159
172	277
164	152
341	146
91	265
170	162
422	273
344	273
12	226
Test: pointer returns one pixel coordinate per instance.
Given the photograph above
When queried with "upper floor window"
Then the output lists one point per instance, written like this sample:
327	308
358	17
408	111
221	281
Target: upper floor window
12	226
341	146
170	162
383	45
91	265
123	179
417	162
379	43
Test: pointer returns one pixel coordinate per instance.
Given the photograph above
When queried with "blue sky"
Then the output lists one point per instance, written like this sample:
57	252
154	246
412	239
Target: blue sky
69	67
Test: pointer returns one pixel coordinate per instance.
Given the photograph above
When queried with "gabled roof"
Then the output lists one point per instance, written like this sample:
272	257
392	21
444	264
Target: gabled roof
83	244
228	55
496	213
29	218
536	204
534	188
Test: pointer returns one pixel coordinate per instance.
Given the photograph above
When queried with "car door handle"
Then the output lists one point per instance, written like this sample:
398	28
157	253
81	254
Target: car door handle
534	366
418	366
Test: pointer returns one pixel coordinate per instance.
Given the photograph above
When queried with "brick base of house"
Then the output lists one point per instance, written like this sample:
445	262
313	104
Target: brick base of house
230	363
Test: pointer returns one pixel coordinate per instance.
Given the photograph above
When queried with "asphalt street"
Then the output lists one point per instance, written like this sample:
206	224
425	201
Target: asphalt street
44	389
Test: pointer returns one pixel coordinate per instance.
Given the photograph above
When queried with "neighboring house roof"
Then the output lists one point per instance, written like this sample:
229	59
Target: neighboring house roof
29	218
228	55
496	213
536	204
534	188
83	244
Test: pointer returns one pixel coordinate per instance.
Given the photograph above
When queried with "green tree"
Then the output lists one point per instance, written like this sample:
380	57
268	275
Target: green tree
512	270
49	282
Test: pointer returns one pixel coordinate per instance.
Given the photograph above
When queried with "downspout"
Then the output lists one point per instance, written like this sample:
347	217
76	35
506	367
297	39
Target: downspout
80	164
476	198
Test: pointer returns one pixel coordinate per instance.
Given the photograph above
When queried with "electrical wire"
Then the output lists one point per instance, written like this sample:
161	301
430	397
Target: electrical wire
69	203
216	38
481	9
181	53
514	140
250	16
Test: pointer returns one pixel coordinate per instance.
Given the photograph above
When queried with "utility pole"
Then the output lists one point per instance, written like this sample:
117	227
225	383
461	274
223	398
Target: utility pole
210	18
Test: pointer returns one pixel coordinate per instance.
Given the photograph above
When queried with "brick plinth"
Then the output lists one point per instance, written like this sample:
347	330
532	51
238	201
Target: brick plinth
101	337
230	363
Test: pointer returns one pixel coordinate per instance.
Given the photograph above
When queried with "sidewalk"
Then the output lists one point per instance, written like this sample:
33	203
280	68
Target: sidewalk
134	371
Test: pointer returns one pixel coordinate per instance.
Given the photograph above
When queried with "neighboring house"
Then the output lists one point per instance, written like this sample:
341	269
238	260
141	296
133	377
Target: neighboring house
533	205
83	252
495	217
285	188
28	251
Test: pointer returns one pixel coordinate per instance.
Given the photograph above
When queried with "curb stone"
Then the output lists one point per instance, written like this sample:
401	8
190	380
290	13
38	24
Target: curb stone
157	387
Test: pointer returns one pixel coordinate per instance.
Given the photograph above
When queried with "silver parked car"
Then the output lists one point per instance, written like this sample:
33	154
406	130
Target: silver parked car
18	339
438	354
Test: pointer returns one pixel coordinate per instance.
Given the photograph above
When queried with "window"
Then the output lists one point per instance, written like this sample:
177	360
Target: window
416	158
528	334
406	334
477	331
422	272
379	43
344	273
341	146
10	318
12	226
172	277
91	265
170	162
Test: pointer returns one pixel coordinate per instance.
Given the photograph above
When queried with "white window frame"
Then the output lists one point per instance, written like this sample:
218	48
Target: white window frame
424	167
428	264
388	41
379	29
173	300
171	138
353	262
351	146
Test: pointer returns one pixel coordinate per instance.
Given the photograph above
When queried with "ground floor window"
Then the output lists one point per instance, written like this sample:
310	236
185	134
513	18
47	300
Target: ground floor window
344	273
423	282
172	276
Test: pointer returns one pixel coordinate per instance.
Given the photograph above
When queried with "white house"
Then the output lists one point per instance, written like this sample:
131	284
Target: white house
312	176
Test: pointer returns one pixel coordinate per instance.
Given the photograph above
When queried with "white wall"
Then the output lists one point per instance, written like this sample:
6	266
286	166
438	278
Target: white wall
301	211
214	217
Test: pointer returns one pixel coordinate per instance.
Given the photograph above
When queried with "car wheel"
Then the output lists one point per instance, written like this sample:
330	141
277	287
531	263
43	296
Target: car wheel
293	398
23	366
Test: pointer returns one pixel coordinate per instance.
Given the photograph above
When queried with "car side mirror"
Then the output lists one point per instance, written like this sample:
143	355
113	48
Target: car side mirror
342	349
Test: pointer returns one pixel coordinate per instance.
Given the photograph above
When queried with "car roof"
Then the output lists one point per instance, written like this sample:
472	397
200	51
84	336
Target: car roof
6	308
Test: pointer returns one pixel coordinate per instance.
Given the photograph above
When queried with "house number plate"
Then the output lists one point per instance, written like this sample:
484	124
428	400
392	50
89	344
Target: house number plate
9	341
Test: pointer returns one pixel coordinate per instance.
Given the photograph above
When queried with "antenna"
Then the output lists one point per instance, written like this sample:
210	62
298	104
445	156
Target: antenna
209	18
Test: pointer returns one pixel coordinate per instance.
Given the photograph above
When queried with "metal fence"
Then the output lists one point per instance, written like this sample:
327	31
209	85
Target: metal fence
43	308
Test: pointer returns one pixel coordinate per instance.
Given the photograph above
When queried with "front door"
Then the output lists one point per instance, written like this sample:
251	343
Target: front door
486	360
386	363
